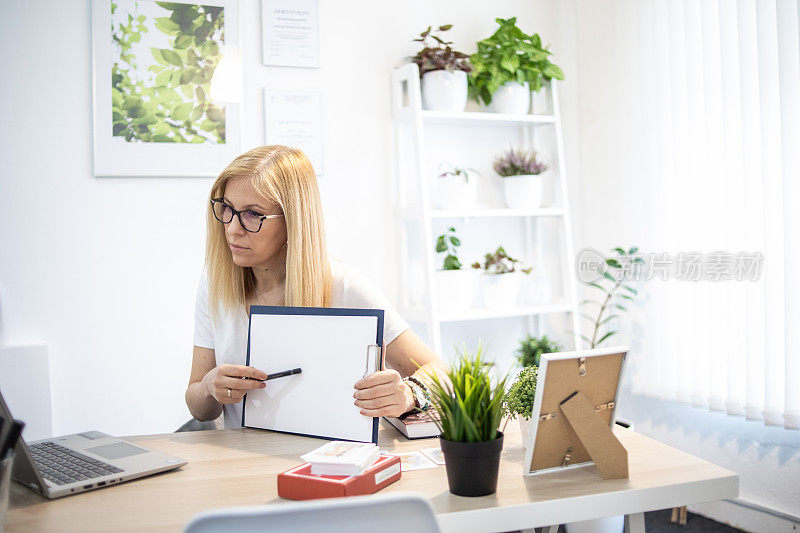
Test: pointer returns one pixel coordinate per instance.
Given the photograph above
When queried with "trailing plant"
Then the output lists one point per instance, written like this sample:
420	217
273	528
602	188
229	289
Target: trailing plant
615	295
162	96
519	163
470	406
451	170
447	243
520	396
499	262
439	55
531	349
510	55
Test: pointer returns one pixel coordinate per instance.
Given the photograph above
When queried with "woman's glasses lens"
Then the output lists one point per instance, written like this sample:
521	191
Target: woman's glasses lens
222	212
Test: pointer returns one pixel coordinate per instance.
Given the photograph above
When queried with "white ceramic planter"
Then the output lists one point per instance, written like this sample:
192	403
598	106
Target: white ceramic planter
455	289
444	91
500	290
609	524
455	192
524	192
512	98
524	429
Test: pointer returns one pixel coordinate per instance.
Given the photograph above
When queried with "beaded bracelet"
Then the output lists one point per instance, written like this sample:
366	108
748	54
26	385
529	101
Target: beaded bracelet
422	399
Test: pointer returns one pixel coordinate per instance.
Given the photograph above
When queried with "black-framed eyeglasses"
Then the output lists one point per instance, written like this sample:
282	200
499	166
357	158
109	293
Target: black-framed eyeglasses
250	220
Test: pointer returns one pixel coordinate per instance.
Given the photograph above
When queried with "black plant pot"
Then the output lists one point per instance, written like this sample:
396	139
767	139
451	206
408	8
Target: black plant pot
472	466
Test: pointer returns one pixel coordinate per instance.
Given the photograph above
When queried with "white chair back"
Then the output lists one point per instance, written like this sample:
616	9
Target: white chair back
386	513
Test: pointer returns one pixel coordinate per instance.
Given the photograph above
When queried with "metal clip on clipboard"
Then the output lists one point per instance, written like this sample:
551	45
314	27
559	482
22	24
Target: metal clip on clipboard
374	354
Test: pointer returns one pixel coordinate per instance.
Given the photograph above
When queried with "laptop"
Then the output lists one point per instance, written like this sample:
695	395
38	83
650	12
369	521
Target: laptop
61	466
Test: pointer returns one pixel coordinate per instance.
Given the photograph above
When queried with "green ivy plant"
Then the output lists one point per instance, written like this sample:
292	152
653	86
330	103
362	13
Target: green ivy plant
470	406
447	243
173	105
509	55
520	396
615	294
531	349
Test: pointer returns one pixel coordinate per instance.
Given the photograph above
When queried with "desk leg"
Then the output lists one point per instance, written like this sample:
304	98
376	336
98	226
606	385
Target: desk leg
634	523
550	529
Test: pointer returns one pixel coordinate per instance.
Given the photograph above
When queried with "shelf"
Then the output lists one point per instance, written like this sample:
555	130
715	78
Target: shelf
484	212
419	315
443	117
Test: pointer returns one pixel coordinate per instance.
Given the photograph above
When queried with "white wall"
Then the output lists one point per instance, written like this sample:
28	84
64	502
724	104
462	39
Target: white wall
616	196
104	270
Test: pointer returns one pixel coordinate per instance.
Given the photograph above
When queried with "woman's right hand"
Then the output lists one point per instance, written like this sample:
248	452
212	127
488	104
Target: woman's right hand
226	383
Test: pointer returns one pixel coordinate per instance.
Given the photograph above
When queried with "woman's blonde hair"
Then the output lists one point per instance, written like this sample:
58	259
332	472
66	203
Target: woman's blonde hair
285	176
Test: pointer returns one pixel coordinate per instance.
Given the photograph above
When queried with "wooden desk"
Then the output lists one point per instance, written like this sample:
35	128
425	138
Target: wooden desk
239	467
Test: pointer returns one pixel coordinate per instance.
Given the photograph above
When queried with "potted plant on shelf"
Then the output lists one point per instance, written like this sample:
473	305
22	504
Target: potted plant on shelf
508	66
455	284
500	284
443	72
523	175
456	187
531	349
470	409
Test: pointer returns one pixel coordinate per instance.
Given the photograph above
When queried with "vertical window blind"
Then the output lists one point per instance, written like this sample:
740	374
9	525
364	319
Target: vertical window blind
719	82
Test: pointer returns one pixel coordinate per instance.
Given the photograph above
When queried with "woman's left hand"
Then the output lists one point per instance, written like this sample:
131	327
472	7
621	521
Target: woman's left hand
383	393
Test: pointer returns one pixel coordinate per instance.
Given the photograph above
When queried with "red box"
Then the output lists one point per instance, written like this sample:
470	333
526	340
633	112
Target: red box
299	484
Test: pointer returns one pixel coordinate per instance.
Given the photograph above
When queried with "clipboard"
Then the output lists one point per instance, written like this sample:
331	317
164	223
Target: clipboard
573	413
335	347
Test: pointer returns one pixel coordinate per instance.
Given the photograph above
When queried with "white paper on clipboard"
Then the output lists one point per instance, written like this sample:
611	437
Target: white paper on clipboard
335	348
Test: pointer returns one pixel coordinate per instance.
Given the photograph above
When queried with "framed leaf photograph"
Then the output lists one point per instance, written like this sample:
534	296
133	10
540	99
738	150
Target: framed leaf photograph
154	64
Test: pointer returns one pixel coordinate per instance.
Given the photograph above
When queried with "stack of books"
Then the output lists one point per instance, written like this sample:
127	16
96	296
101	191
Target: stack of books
339	458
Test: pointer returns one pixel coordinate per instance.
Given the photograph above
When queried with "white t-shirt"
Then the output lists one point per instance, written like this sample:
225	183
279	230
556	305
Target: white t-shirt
228	336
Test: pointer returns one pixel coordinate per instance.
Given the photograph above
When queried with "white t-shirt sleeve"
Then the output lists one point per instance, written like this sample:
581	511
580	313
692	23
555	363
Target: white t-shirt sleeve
360	292
203	331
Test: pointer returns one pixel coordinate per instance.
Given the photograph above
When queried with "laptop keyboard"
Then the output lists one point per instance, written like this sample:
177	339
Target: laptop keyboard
62	465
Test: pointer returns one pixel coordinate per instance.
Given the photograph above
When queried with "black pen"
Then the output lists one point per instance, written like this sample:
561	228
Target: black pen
11	438
279	374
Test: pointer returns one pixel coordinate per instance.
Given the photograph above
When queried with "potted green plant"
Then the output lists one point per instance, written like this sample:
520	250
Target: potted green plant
470	408
455	285
443	71
508	66
519	399
531	349
523	174
501	283
456	187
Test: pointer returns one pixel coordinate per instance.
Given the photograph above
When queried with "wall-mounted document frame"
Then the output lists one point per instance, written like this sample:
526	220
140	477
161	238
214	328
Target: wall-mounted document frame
112	155
335	347
595	373
294	118
290	33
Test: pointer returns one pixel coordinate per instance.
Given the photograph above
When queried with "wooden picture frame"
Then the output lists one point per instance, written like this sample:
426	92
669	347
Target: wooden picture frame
573	413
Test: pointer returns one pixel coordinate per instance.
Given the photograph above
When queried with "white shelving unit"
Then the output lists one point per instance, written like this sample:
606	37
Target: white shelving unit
413	128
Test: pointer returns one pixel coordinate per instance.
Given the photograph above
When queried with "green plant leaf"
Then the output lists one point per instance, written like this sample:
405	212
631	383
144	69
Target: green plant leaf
455	241
630	289
163	79
181	112
621	307
172	57
441	245
618	250
633	250
167	26
604	337
609	277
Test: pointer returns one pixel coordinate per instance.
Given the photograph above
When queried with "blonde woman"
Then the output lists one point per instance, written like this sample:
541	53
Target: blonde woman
266	246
